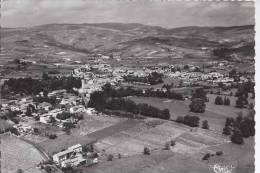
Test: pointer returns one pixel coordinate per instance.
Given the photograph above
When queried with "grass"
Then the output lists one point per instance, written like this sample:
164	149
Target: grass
216	115
157	162
17	154
241	156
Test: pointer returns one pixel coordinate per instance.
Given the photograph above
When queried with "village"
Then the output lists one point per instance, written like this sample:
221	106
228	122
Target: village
28	117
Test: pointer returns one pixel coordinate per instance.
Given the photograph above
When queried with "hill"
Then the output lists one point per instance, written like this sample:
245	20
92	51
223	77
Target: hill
132	40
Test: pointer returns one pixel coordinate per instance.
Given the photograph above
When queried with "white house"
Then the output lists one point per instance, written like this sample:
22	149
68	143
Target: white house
72	156
91	111
45	118
45	106
77	109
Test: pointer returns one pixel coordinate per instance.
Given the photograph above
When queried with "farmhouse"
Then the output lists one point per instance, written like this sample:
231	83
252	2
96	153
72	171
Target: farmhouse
72	156
23	129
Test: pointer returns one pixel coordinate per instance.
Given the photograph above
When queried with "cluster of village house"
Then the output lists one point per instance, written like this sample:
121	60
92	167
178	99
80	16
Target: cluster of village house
92	81
45	111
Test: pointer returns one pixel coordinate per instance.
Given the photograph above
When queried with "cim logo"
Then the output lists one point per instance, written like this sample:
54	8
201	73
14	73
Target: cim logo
217	168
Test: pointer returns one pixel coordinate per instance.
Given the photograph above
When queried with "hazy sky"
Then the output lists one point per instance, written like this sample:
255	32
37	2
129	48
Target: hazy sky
19	13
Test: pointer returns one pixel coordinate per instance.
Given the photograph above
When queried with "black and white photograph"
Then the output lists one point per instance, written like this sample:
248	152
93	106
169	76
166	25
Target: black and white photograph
127	86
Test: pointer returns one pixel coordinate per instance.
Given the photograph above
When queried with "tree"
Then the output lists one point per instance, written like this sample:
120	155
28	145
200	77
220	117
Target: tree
192	121
247	127
233	73
218	100
226	130
64	115
14	131
45	76
45	93
97	100
237	137
205	124
197	105
241	102
28	111
200	93
226	101
52	120
229	121
146	151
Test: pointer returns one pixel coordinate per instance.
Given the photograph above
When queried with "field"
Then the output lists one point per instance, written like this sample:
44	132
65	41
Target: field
216	115
17	154
93	123
185	156
154	134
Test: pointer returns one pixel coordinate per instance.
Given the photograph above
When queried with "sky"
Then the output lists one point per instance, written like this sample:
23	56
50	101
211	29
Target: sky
168	14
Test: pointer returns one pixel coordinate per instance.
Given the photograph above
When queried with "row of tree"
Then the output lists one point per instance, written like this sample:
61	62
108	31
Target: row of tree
109	91
192	121
219	101
152	79
242	126
34	86
105	99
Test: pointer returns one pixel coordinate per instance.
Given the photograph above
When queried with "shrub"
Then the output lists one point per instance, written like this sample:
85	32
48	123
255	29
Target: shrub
167	146
119	156
179	119
206	157
48	169
219	153
172	142
52	136
19	171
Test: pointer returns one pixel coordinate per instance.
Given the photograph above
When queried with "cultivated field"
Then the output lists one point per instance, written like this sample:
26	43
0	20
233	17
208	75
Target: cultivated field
133	140
157	162
93	123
